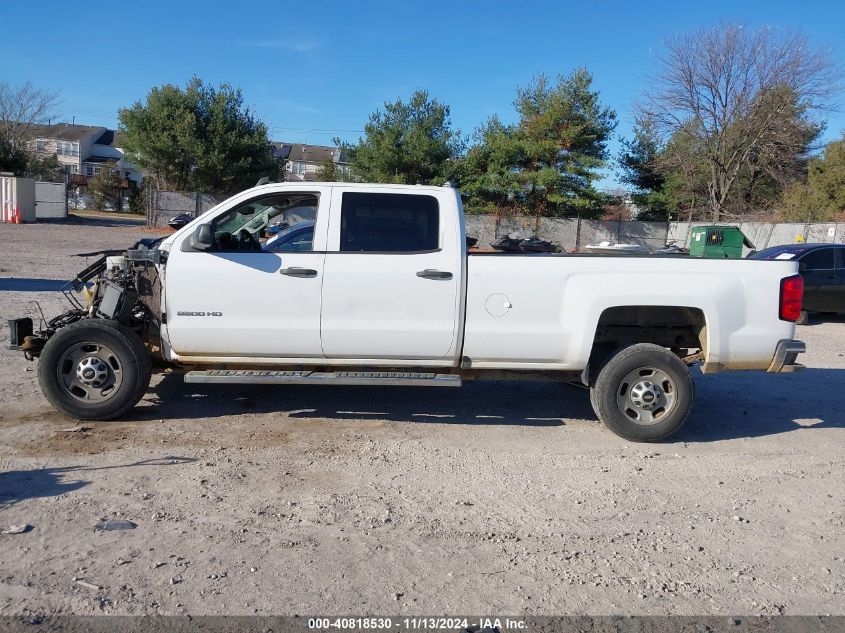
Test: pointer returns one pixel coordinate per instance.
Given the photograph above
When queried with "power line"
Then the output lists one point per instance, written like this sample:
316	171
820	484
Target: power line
313	129
73	113
108	113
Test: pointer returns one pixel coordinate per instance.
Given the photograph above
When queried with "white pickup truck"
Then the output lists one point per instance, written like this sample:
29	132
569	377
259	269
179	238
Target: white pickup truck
372	285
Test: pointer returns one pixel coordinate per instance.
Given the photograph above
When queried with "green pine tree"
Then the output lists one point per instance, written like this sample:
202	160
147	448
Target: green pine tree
546	164
408	142
199	138
822	197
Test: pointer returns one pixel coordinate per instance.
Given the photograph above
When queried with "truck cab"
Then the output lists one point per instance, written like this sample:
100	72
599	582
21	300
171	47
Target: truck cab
381	282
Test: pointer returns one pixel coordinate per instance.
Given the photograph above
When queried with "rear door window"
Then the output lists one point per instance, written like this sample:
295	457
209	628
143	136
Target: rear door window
821	259
389	223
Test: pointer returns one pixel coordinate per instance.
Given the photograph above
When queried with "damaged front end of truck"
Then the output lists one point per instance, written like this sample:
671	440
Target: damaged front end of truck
124	289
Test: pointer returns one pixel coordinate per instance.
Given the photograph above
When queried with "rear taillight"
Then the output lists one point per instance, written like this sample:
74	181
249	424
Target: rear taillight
791	293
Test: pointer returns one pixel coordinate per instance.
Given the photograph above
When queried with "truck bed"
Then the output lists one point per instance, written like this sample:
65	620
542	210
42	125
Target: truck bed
541	311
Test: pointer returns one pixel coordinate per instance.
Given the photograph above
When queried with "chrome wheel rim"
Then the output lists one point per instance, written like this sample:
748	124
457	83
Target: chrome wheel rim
90	372
646	395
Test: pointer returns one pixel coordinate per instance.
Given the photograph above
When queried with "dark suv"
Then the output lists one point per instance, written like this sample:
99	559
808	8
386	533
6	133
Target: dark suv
823	268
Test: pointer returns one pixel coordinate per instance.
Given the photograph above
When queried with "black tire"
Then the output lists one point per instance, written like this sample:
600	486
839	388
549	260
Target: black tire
663	386
594	400
123	360
598	359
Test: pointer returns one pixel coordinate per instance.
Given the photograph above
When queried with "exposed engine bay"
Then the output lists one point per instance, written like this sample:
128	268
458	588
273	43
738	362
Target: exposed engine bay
124	288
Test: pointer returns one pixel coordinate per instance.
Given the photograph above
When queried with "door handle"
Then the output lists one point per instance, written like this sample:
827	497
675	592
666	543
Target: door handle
430	273
298	272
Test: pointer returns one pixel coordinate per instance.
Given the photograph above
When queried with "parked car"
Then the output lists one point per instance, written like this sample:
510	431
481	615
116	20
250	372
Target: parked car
387	294
178	221
296	238
278	227
823	268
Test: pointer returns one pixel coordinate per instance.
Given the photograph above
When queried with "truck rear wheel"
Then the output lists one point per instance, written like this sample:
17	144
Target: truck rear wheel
94	370
643	393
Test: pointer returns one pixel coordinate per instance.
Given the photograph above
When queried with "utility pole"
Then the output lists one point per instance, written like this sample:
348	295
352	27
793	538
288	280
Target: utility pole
578	233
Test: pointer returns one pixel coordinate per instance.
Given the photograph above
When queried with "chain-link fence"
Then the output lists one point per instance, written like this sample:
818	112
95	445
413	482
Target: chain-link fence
163	205
573	234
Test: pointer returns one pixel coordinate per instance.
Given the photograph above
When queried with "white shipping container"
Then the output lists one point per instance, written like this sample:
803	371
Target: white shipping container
17	195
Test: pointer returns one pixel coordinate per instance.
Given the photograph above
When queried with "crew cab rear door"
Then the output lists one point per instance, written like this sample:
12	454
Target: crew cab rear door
392	274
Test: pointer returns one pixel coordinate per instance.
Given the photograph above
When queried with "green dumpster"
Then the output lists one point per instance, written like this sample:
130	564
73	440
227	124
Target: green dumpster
715	241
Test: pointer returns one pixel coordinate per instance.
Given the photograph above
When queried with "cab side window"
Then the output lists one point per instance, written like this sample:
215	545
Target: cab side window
389	223
252	225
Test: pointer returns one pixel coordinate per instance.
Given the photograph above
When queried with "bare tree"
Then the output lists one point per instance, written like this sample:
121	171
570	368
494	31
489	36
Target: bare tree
737	94
20	109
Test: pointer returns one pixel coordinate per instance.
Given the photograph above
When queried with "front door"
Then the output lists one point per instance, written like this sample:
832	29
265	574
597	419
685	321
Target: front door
245	297
391	277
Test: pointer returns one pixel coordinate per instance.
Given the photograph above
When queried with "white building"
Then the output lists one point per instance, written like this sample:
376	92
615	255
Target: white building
82	150
303	161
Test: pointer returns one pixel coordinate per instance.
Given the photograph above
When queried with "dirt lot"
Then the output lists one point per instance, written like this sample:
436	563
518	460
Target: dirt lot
493	499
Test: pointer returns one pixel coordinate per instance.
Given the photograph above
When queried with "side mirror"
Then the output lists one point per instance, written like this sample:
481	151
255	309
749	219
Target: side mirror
202	239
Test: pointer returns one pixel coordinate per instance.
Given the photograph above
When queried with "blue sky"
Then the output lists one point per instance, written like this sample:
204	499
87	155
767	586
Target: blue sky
314	70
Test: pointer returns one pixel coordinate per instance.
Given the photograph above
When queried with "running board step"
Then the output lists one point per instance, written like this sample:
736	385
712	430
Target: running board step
258	377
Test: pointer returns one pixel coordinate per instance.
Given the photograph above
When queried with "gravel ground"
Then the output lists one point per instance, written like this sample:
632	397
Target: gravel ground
507	498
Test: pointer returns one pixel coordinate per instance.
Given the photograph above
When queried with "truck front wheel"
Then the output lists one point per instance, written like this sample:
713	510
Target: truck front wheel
94	370
644	393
